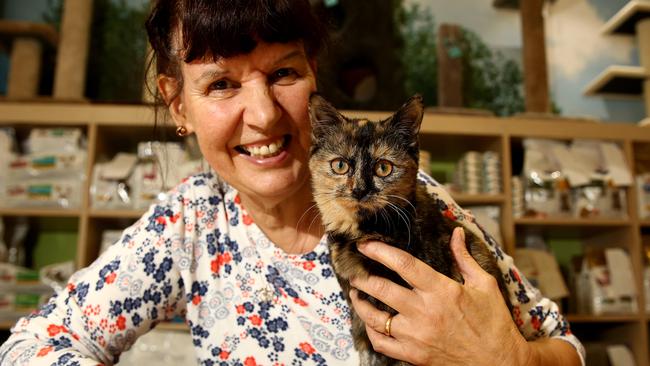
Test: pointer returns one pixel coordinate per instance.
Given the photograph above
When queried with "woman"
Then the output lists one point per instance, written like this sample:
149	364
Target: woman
241	256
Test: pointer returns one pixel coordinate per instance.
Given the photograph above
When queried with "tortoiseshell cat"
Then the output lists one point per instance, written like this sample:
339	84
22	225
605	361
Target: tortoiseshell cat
365	186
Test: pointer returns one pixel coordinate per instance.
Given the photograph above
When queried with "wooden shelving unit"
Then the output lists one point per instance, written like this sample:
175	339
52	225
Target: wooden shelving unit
109	128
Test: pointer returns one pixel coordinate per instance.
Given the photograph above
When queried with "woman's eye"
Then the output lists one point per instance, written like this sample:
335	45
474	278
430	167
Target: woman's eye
220	85
283	75
339	166
383	168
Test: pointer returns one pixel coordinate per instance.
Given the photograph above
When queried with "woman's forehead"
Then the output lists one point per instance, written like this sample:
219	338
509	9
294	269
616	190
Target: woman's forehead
263	55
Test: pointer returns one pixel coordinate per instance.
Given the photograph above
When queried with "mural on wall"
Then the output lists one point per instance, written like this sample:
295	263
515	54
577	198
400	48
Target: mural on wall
576	50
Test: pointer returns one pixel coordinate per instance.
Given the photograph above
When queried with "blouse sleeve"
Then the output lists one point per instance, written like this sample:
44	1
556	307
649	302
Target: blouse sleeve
106	306
535	315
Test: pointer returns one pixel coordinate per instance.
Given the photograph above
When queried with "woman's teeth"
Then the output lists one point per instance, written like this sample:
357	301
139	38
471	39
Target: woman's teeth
266	151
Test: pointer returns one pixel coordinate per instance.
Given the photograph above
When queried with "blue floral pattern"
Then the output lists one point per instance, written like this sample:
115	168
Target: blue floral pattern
200	256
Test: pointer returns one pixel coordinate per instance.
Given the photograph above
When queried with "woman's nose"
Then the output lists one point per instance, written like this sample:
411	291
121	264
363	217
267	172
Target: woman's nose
262	110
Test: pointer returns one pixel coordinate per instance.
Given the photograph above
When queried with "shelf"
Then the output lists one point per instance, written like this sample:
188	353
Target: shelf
6	324
645	223
57	113
572	221
477	199
116	214
617	80
624	21
39	288
40	212
613	318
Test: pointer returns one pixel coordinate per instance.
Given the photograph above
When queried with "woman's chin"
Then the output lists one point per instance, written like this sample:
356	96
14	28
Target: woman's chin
274	187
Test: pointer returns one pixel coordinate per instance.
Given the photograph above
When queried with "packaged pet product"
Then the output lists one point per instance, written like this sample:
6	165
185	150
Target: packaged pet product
606	283
542	269
7	154
47	165
643	195
47	140
59	192
112	183
479	172
646	274
600	198
157	171
546	191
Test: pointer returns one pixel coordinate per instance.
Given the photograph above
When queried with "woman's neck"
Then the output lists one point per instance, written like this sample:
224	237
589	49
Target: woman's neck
293	225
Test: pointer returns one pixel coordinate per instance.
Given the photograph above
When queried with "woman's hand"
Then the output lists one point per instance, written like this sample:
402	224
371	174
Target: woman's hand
439	321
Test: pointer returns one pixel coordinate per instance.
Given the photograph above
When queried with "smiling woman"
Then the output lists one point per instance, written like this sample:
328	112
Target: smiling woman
239	252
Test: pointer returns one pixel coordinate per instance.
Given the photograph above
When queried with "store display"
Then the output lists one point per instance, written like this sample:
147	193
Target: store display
131	181
546	192
604	283
112	182
643	195
50	174
517	190
20	291
583	178
541	268
478	173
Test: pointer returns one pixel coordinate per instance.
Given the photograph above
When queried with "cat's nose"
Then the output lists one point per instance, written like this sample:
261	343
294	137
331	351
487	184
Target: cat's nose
361	194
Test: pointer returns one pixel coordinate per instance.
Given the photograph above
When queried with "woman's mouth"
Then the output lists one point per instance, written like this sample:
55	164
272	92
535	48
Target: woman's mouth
263	151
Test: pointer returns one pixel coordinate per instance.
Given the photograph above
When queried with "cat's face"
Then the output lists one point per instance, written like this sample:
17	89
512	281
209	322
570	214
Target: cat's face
361	167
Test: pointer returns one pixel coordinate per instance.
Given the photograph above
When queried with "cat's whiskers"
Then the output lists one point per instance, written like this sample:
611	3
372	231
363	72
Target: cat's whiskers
404	216
403	199
305	213
325	198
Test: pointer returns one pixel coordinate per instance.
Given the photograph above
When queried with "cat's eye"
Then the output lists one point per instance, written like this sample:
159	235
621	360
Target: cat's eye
340	166
383	168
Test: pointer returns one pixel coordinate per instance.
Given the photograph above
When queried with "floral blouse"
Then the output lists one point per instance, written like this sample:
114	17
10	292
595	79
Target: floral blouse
200	256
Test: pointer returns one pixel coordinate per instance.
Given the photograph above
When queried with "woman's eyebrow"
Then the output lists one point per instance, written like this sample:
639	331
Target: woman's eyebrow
215	73
290	55
211	74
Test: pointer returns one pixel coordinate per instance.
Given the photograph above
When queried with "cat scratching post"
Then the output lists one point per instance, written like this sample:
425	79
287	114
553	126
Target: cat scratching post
25	70
26	40
534	57
70	74
450	66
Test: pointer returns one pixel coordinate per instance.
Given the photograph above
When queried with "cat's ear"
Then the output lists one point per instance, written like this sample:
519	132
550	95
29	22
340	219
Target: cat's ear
323	115
408	119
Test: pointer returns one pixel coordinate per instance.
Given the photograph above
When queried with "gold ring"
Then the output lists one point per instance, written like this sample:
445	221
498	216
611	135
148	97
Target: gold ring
389	321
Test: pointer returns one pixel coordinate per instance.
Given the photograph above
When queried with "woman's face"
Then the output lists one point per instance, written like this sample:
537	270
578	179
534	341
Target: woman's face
250	116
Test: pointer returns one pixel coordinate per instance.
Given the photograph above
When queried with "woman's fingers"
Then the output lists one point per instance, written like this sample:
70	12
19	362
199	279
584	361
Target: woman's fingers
397	297
376	319
469	268
415	272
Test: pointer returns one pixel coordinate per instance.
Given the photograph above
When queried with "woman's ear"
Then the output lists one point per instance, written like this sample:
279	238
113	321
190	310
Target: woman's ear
168	87
314	65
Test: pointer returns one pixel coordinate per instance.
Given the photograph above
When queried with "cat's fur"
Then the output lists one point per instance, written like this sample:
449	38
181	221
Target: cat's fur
360	205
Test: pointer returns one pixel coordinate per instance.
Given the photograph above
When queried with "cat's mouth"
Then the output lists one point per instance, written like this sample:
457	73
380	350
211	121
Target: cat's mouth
263	151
